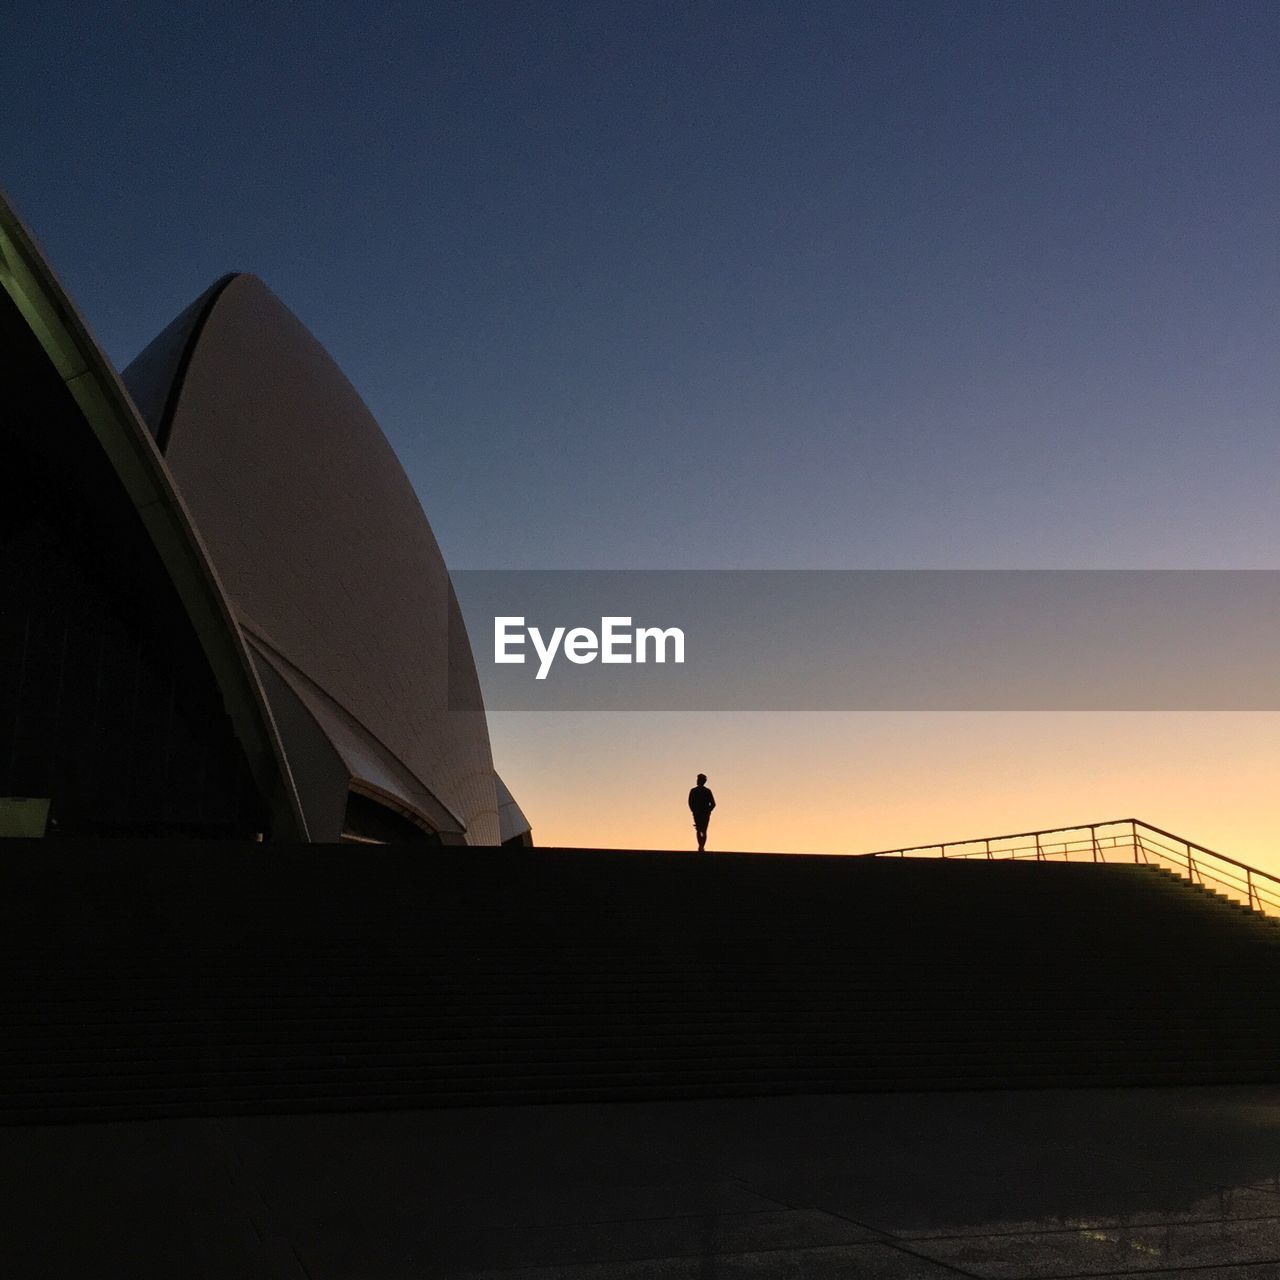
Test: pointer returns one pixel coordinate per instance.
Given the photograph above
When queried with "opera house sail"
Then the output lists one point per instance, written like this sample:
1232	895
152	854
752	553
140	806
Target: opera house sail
222	609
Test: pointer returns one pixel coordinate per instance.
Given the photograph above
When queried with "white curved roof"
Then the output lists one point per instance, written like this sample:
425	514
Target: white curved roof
323	547
512	823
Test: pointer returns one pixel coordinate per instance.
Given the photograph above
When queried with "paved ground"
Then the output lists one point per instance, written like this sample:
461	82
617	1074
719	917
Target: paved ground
1163	1183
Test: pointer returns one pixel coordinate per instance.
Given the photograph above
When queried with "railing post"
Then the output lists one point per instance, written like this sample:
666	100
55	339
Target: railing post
943	847
1133	831
1039	850
988	848
1093	833
1191	865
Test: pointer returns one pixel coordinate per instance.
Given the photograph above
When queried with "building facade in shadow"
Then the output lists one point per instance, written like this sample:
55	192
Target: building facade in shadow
223	611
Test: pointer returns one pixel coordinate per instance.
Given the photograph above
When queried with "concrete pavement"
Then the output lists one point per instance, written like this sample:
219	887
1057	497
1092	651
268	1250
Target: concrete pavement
1005	1185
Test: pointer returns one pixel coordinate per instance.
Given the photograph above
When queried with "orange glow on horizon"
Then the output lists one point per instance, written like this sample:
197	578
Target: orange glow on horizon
853	782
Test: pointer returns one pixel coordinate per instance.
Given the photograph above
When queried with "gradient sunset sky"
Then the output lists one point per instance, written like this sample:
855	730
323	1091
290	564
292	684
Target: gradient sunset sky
741	285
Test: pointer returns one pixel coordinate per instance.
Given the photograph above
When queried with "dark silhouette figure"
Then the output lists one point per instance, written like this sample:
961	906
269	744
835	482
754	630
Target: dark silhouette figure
701	802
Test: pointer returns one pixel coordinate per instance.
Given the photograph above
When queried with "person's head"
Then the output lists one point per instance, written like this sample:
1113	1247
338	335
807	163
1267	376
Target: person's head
702	777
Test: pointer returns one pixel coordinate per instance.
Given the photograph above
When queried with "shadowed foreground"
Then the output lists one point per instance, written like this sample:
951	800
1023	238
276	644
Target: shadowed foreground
151	980
1004	1185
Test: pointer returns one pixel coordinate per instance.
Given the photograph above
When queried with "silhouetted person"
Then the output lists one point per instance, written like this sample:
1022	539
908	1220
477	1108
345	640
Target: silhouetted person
701	802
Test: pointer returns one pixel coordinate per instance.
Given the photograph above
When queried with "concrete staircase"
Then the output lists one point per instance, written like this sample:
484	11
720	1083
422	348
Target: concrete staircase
168	979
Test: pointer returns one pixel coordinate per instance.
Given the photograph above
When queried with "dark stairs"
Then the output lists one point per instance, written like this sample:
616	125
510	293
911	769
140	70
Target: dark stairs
150	979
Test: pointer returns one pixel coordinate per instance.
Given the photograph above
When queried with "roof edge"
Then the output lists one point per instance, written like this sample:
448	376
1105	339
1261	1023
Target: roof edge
205	304
96	387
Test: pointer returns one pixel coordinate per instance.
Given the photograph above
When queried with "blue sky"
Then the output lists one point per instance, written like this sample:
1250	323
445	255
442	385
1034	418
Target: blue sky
717	284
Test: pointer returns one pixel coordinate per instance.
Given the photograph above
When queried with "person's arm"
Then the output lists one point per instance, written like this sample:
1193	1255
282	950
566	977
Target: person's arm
691	791
711	796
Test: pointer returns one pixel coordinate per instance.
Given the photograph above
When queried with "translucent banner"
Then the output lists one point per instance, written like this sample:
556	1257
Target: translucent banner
815	640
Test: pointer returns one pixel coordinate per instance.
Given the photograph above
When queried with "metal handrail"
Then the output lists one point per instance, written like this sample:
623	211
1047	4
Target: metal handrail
1258	890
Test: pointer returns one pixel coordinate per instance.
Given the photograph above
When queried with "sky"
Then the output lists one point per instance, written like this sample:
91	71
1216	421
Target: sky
740	285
